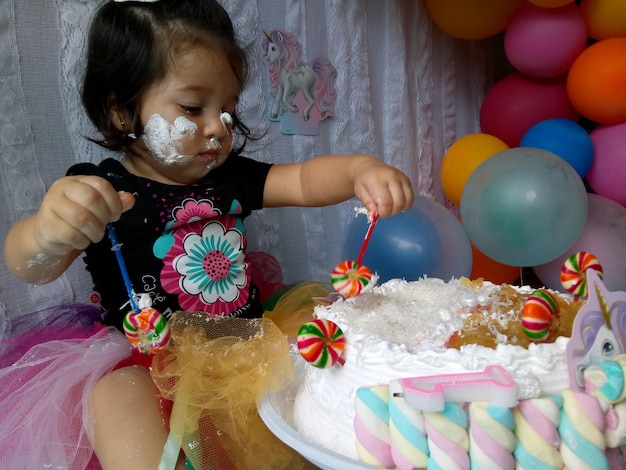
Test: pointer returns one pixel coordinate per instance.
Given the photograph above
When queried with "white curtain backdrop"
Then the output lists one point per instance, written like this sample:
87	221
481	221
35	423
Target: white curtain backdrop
405	93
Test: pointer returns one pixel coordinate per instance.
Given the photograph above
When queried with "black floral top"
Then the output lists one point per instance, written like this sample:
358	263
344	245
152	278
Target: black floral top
183	245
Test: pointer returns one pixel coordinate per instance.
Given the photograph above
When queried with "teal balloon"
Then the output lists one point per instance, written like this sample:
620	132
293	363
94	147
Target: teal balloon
426	240
524	206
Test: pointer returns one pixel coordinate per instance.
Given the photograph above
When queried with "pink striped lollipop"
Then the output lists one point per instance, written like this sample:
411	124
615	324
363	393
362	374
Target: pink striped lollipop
321	343
350	278
574	272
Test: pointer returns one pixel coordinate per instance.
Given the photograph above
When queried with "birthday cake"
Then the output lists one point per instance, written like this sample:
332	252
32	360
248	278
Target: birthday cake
508	400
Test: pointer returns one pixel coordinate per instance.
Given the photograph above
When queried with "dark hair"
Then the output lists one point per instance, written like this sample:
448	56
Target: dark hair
131	45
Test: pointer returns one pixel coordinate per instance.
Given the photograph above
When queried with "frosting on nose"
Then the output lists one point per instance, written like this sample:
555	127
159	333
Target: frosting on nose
214	144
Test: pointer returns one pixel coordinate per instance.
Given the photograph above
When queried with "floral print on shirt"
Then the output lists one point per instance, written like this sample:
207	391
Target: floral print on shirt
204	259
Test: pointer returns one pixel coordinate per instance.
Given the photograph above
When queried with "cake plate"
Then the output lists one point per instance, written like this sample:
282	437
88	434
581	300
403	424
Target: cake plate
276	411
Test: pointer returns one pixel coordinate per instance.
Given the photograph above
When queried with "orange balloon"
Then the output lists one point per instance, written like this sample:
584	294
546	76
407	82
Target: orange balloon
472	19
596	83
462	158
491	270
550	3
605	18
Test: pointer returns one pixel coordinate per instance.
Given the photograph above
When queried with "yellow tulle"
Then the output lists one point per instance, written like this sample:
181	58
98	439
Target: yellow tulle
295	307
214	371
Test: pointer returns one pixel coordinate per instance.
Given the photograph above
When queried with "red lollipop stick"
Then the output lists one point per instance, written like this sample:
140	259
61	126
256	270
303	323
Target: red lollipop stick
366	241
349	278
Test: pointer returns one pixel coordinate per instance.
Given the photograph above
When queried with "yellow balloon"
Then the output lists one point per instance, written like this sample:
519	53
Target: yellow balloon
472	19
462	158
605	18
550	3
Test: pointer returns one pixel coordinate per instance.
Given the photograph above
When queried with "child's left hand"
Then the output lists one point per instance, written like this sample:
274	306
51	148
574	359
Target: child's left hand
382	189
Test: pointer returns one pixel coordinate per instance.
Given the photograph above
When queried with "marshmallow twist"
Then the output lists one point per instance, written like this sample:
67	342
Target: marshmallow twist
538	440
409	446
582	432
371	425
491	436
448	439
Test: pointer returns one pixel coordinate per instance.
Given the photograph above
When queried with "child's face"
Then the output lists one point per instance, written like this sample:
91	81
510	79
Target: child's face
187	119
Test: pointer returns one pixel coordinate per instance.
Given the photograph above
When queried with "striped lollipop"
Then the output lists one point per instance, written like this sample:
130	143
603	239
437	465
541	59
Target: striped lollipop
540	316
148	330
574	272
350	278
321	343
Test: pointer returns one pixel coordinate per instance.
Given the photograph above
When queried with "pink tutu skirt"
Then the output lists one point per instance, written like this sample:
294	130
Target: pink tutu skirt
49	363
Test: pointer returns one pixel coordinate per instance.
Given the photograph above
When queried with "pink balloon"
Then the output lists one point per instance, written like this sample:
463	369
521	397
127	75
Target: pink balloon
604	235
517	102
608	169
544	42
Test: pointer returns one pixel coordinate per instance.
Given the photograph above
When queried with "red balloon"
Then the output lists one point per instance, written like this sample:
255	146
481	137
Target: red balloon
517	102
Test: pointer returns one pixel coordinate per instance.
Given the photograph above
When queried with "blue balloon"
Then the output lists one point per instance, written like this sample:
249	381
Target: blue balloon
426	240
456	256
524	206
565	138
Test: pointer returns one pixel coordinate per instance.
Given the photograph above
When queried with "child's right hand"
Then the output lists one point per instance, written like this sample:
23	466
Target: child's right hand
75	212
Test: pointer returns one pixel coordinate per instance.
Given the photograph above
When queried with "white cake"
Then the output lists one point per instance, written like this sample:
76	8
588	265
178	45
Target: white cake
400	330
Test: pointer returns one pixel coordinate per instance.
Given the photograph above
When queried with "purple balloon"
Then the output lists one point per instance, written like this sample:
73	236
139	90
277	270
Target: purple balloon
604	235
606	175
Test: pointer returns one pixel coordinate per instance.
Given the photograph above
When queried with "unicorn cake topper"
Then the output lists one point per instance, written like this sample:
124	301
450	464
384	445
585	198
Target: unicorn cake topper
599	330
303	93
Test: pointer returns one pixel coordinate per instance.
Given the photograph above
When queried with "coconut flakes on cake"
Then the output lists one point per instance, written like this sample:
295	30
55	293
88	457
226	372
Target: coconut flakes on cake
418	315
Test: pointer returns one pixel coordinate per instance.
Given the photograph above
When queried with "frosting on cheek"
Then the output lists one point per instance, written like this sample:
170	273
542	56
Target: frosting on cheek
163	139
226	119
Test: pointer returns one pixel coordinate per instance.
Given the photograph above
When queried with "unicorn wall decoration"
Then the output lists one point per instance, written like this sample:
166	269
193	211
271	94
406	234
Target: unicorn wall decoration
303	93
